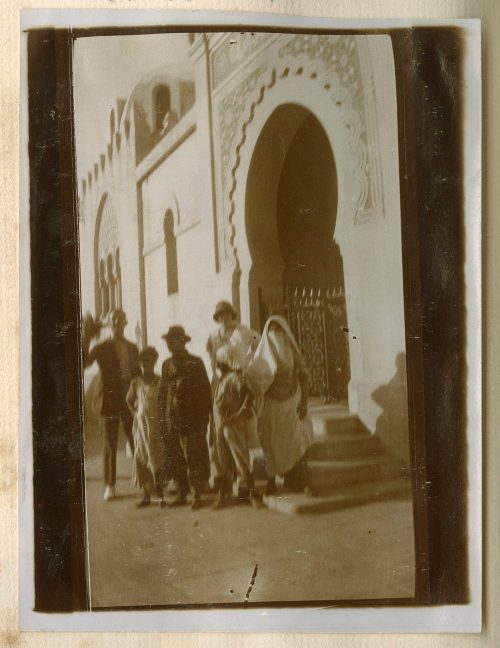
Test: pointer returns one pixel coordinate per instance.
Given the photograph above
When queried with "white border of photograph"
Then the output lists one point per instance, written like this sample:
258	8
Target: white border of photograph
449	618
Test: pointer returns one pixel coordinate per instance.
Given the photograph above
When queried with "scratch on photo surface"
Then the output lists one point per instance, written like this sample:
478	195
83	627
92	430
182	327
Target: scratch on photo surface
252	583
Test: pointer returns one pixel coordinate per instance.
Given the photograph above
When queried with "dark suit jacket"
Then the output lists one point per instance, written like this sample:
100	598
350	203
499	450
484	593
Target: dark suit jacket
113	392
193	395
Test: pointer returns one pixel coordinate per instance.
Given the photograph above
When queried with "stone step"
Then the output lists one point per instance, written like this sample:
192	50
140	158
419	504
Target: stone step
317	405
329	420
331	448
345	446
353	495
326	476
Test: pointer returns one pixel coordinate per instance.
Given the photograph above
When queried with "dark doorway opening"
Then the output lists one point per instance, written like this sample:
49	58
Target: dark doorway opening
291	215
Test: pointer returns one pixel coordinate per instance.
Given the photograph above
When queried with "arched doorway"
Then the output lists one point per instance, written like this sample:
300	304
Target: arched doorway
297	268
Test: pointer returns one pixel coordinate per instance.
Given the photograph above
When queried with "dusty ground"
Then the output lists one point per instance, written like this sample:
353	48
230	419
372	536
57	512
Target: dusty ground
159	556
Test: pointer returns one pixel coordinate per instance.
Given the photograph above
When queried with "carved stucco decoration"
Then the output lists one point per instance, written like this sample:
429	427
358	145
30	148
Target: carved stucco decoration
232	107
233	51
349	58
351	88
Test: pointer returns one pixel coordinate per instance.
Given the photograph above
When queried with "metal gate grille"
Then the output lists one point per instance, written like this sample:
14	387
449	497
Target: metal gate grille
319	323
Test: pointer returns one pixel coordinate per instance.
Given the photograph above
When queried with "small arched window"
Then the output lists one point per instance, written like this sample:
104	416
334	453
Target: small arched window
171	251
161	105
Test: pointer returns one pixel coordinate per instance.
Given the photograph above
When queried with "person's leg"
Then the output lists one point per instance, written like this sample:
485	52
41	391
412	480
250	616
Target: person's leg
237	441
205	461
266	424
302	478
193	447
175	464
254	496
158	487
160	481
146	498
181	470
145	481
296	479
289	479
223	490
110	440
127	422
224	469
271	486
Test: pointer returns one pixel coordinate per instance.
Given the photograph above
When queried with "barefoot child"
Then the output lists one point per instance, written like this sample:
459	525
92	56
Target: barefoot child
142	400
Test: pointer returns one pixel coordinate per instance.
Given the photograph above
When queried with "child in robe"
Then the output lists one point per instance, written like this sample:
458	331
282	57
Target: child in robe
142	400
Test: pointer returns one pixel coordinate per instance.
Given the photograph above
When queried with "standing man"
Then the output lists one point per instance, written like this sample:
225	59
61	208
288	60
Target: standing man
185	403
118	361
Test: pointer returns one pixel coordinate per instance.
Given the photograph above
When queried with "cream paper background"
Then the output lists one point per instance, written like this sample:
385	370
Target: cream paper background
489	12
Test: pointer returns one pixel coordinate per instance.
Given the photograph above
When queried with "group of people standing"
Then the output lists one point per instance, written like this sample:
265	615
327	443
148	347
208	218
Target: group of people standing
257	397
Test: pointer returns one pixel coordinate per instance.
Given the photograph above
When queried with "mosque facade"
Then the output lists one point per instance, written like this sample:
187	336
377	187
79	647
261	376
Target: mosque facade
268	177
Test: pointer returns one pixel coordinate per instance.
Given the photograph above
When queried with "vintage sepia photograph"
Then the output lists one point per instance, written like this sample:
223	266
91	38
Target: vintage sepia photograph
246	419
257	391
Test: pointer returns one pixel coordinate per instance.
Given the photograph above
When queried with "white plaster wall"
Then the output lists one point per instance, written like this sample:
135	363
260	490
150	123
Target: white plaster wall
375	289
160	307
174	185
373	266
193	305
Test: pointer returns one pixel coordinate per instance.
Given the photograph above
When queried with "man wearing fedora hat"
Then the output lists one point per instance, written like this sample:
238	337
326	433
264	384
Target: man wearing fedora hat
184	403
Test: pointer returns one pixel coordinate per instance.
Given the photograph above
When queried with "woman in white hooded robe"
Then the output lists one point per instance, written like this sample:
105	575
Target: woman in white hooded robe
278	374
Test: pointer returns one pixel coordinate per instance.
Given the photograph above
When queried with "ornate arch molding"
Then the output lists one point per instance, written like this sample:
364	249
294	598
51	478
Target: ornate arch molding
106	253
339	67
106	231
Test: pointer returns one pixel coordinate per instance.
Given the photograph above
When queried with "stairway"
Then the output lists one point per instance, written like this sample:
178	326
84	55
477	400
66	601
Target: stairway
347	466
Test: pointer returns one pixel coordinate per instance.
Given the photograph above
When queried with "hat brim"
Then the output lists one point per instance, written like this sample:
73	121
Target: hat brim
185	338
219	312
